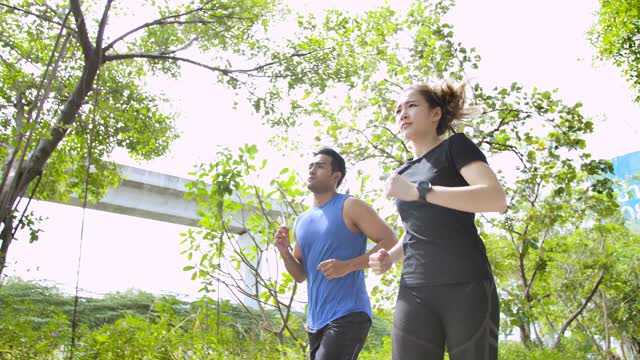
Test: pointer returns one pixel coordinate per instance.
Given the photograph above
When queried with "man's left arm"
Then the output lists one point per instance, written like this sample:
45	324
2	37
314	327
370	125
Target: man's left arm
361	215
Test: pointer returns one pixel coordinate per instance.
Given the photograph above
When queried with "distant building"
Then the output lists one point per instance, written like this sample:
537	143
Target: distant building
627	168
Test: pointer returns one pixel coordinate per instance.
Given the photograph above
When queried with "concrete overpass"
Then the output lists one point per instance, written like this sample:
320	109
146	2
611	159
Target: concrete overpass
156	196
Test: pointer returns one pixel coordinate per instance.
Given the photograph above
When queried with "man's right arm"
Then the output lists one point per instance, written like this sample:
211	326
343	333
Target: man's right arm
292	260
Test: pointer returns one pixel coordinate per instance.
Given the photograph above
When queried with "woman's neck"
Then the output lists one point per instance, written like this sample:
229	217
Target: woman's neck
424	145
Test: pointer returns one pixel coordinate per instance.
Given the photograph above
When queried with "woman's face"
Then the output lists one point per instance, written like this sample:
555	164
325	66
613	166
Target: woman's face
415	117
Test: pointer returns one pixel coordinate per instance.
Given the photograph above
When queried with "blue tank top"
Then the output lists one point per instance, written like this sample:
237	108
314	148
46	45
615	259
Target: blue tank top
322	234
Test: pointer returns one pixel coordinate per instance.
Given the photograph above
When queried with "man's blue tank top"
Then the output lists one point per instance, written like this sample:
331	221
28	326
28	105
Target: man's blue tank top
322	234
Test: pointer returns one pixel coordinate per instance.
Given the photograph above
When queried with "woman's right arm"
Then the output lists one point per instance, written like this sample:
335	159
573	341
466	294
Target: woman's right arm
382	260
397	252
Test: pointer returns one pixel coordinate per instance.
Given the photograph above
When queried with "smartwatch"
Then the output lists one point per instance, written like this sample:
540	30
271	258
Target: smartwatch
423	189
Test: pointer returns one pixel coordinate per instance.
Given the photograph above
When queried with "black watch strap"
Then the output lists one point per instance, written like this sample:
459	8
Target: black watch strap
423	189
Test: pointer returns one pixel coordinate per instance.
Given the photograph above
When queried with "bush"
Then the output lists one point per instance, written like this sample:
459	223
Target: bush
574	350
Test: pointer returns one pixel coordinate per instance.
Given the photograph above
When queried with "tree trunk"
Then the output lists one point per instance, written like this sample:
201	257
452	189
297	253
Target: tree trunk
34	165
634	345
5	237
525	334
607	338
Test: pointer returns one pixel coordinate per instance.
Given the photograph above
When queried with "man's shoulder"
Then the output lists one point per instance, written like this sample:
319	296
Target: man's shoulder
354	206
352	200
301	216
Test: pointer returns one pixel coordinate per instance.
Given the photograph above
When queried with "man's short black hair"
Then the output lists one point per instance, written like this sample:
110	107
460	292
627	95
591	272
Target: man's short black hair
337	162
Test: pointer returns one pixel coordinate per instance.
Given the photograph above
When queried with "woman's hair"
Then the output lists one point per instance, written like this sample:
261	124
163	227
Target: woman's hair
449	98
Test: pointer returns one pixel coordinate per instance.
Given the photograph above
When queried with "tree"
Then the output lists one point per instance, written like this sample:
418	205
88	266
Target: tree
615	313
244	264
549	250
74	88
616	35
557	191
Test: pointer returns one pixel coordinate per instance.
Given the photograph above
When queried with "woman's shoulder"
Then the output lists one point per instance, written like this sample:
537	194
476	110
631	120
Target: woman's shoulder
463	150
460	140
458	137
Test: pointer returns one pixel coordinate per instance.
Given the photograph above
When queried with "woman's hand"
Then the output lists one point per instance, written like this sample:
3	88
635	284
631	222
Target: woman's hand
401	189
380	261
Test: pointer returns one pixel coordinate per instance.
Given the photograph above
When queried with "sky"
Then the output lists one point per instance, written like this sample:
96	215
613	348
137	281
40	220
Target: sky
537	43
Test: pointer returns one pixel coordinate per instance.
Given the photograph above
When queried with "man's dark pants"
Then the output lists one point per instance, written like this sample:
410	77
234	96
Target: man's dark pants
341	339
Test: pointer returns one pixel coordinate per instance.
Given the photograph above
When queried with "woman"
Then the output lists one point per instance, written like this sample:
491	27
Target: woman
447	295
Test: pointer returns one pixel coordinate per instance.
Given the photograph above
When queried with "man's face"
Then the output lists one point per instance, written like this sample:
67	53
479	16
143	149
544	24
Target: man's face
322	178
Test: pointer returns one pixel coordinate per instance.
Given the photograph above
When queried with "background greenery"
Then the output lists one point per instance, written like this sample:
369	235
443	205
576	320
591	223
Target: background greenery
73	89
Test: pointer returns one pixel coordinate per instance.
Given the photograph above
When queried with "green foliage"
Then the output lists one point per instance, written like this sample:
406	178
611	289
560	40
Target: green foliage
378	351
36	325
30	329
546	261
74	85
616	35
566	266
553	249
226	191
120	113
510	350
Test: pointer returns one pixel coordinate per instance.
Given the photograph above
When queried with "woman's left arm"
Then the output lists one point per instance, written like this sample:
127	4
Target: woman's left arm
484	193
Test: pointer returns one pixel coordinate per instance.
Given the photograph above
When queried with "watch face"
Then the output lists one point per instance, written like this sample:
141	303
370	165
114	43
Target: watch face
423	188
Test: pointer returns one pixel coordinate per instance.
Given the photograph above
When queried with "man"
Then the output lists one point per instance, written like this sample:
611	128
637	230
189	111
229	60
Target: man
329	251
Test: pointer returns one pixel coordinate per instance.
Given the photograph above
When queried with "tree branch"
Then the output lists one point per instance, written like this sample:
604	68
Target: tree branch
535	270
129	56
546	317
592	338
83	34
5	239
67	116
288	202
17	52
168	57
565	326
502	122
395	136
523	274
302	54
35	163
386	154
259	280
19	105
184	47
103	25
396	84
167	21
41	17
510	148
